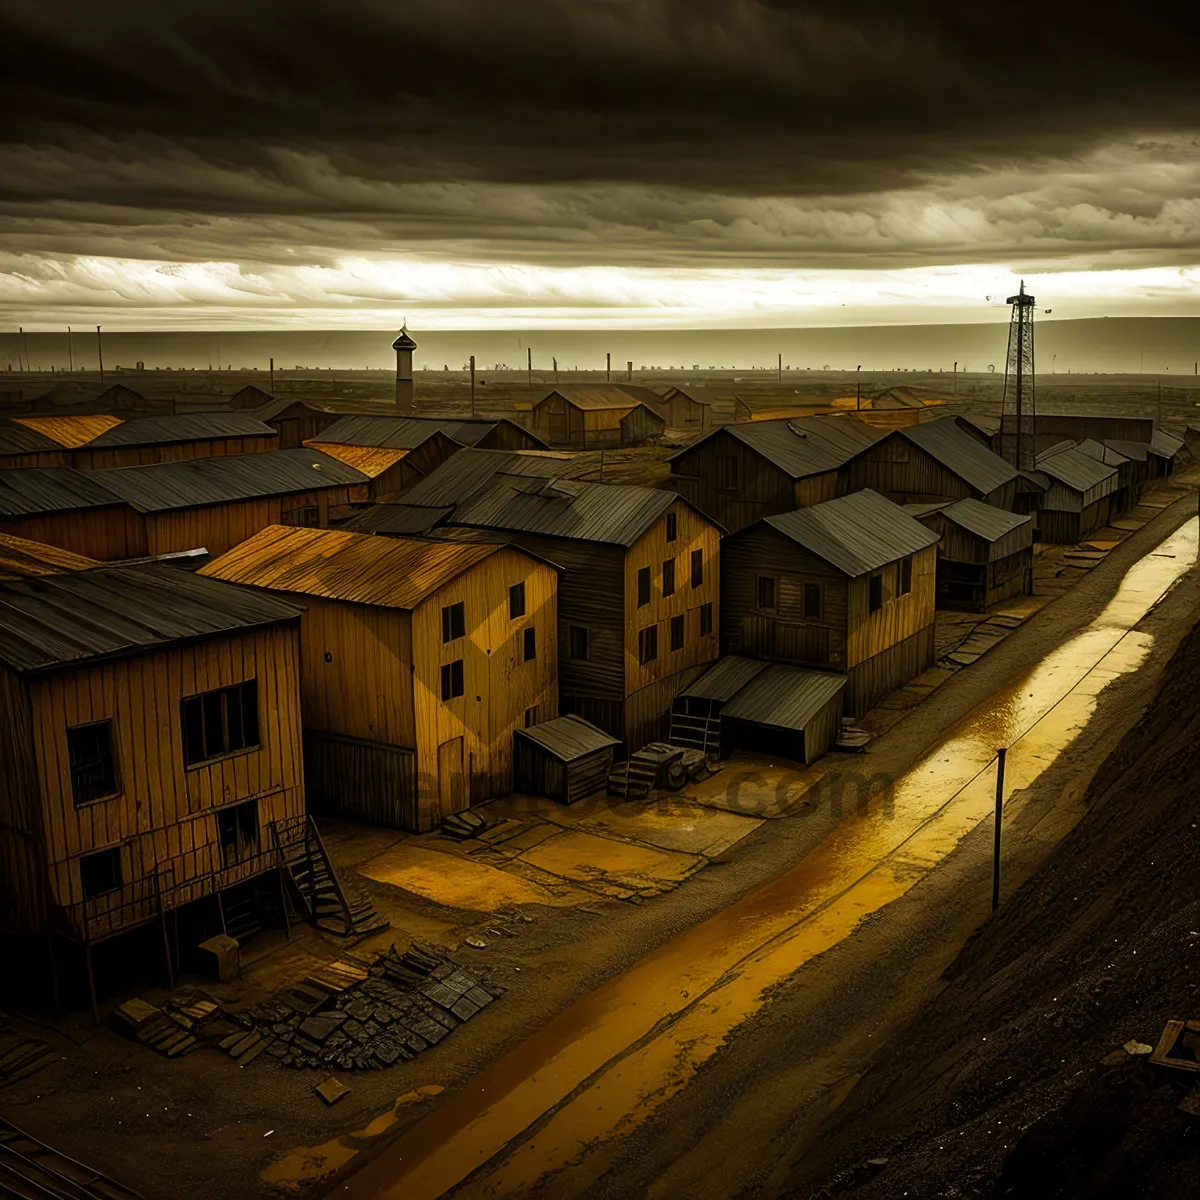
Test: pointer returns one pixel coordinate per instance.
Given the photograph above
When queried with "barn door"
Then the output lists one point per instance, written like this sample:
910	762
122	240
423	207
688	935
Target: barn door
452	790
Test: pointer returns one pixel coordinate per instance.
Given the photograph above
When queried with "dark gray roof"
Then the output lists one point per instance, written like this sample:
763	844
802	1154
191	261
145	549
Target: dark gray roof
80	616
164	486
984	520
952	446
856	533
1136	451
1071	466
1103	452
386	433
613	514
1164	444
568	738
471	471
187	427
16	438
723	681
404	341
990	426
800	446
397	519
784	696
29	490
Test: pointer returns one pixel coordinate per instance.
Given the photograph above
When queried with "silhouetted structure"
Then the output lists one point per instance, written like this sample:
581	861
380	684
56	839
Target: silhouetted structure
1019	396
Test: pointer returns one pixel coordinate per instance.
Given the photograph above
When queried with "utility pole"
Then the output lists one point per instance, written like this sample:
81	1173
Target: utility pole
955	392
529	371
100	354
272	361
472	385
780	366
608	368
858	388
629	371
555	362
1001	754
23	349
70	353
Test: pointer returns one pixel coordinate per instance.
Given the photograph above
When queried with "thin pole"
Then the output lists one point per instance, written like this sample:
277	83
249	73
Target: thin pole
529	371
956	377
100	354
272	377
23	348
780	367
472	385
1001	754
70	353
858	388
608	367
555	362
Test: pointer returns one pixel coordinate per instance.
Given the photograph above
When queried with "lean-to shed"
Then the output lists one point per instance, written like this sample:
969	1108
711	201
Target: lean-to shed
565	759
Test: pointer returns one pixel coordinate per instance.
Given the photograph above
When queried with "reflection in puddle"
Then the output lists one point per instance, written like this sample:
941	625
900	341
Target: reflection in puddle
623	1050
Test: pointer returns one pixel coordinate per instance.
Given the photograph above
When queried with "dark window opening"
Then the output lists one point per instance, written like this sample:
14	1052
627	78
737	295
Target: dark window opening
764	592
531	716
643	578
516	600
220	722
812	601
528	644
648	644
697	568
672	526
578	640
676	633
727	473
875	593
454	622
93	769
237	832
706	624
308	517
100	873
452	679
904	575
669	577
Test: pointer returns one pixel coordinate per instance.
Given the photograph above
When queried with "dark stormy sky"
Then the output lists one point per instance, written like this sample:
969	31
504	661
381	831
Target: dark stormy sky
465	163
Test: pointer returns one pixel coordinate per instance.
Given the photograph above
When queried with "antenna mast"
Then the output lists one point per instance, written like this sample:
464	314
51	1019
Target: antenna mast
1018	435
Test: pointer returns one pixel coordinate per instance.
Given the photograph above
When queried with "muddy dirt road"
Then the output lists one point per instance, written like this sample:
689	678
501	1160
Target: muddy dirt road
676	1075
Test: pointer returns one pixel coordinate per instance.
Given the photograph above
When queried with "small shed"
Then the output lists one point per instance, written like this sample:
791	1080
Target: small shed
683	411
565	759
1078	500
986	430
595	416
1130	471
1163	449
985	555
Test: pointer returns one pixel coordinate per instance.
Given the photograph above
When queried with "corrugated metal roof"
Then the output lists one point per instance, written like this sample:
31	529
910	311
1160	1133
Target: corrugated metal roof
16	438
470	471
29	490
784	696
984	520
186	427
23	559
71	432
801	446
337	565
1074	468
957	451
596	397
568	738
724	680
401	519
390	433
370	460
1136	451
1103	453
1164	444
613	514
917	511
81	616
856	533
165	486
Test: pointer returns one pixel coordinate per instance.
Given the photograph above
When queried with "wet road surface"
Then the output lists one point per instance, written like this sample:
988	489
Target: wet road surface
607	1063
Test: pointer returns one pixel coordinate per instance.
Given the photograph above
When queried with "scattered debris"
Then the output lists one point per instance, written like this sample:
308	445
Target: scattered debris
877	1162
477	942
332	1090
465	825
1179	1046
1135	1047
164	1030
21	1056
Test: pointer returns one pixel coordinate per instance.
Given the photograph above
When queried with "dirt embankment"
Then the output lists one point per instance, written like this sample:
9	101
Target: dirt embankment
998	1089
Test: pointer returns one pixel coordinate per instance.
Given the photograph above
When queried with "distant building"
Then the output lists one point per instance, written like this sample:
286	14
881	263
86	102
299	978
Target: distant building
405	395
681	410
1078	498
419	660
846	586
1053	424
594	417
985	429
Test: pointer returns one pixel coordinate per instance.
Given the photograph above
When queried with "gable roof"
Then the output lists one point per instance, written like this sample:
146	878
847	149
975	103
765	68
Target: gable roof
985	520
185	427
26	491
595	397
23	559
1164	444
856	533
568	738
370	460
71	432
336	565
471	471
16	438
109	611
1103	452
952	446
402	519
799	446
1069	465
390	433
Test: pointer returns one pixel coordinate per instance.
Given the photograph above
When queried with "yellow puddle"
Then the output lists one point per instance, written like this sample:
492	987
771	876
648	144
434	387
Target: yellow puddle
587	858
623	1050
452	880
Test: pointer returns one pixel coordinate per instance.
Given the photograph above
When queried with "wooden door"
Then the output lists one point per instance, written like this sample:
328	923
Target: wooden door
451	781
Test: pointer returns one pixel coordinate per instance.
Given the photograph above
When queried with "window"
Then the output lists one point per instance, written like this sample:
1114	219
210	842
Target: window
672	526
93	771
220	722
531	717
237	832
516	600
697	568
452	679
904	576
643	586
308	517
577	637
677	633
669	577
100	873
727	473
812	601
764	593
528	644
875	593
648	644
706	627
454	622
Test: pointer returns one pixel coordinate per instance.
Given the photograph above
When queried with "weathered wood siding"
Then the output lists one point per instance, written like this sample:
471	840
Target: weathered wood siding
640	425
137	456
23	895
762	490
871	679
164	815
40	458
646	713
869	634
101	533
538	773
906	474
362	780
1068	528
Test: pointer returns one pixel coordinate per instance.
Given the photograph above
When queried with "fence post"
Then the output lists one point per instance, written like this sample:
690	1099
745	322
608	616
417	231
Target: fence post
1001	754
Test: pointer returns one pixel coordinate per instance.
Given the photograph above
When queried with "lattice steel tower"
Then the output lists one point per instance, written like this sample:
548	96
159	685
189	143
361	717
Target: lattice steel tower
1019	413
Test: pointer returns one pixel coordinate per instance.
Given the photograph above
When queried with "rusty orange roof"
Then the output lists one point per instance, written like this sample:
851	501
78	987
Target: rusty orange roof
372	461
71	432
387	571
23	559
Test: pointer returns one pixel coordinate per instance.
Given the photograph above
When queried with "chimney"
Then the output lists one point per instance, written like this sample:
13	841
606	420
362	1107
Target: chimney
404	347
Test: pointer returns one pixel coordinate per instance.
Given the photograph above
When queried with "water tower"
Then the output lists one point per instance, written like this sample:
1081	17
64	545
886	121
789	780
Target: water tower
405	397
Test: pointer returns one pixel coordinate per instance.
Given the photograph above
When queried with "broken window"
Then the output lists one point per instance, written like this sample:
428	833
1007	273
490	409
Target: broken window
904	575
93	769
528	644
697	568
812	601
237	832
578	642
220	722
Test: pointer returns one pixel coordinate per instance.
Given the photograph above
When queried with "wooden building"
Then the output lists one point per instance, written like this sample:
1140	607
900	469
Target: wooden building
565	759
1131	473
250	399
150	731
1077	501
985	429
1053	424
419	660
846	586
1164	447
21	446
770	408
985	555
741	473
593	417
767	708
681	410
298	421
930	462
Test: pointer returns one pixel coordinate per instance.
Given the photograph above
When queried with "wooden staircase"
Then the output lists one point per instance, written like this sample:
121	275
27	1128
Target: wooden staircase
318	892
